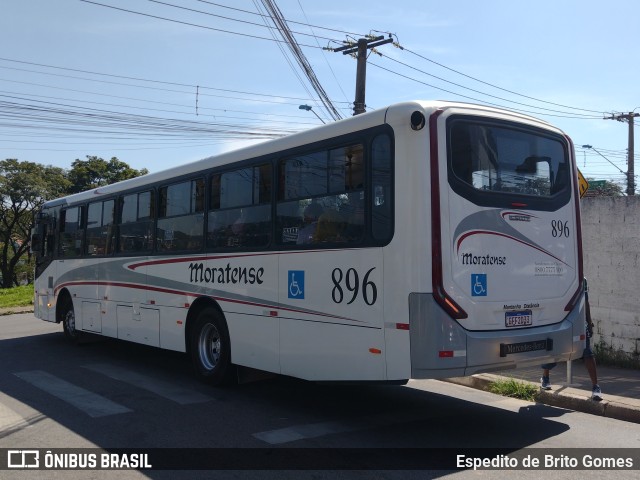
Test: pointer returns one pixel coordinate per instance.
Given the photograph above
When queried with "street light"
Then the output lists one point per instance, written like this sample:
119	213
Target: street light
626	174
592	148
309	108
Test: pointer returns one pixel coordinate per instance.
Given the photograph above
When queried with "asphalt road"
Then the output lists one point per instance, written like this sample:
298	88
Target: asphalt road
111	395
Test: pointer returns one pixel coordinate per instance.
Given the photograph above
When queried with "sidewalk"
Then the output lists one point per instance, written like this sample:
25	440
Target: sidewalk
620	389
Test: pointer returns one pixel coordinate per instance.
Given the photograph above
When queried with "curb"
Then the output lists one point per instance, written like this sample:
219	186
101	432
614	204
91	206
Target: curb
619	408
16	310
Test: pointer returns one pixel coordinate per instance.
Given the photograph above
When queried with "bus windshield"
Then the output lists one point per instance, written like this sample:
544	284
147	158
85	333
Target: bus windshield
496	158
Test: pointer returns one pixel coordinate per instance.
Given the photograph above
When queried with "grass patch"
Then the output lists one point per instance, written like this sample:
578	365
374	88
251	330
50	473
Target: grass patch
16	297
607	355
515	389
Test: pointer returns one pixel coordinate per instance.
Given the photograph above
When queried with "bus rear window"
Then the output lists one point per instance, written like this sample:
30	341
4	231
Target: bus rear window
495	157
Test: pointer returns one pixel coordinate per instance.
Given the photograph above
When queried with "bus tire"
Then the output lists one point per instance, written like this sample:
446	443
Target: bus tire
210	347
68	319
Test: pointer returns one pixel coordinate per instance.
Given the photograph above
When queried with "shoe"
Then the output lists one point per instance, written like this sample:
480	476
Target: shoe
545	383
596	393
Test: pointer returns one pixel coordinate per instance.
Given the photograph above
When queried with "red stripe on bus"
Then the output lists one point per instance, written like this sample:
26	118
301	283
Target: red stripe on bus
192	294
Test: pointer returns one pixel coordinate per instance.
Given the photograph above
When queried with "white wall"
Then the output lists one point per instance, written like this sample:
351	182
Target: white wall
611	242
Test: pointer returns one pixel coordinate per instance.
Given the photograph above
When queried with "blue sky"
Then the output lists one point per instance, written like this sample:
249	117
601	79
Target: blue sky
79	78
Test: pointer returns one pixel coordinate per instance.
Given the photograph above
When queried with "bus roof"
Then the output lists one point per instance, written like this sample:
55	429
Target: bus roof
341	127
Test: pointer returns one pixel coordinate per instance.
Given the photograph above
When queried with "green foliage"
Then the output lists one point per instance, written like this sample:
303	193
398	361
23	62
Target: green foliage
96	172
16	297
514	388
604	188
615	357
25	186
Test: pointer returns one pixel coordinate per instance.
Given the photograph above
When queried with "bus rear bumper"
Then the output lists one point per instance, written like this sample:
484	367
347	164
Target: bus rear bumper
442	348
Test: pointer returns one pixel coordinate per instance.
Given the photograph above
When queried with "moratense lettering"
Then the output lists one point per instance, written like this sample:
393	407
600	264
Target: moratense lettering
471	259
225	275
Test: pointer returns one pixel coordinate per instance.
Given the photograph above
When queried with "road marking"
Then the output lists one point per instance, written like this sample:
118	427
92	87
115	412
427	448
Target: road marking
315	430
168	390
90	403
11	421
8	417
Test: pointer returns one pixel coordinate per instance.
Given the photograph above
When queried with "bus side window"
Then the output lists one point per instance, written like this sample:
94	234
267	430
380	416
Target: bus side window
181	217
71	232
382	195
100	228
331	182
136	222
240	208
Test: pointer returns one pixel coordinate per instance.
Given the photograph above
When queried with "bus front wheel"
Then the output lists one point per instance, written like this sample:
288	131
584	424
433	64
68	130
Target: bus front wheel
69	322
210	348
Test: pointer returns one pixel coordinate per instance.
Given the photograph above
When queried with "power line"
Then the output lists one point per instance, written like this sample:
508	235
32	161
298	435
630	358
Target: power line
296	51
480	92
323	54
288	21
477	100
129	98
9	93
186	23
491	84
225	18
204	87
62	117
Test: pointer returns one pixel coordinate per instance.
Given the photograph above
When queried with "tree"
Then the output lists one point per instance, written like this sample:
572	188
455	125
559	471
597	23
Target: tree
604	188
24	187
96	172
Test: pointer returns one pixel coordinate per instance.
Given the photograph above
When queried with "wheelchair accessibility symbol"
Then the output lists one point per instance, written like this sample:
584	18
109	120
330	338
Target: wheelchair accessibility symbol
478	284
296	284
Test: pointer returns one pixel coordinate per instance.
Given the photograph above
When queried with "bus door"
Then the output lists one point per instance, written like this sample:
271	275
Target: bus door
42	246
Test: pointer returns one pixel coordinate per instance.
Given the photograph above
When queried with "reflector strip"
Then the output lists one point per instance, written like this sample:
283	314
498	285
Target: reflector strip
452	353
375	351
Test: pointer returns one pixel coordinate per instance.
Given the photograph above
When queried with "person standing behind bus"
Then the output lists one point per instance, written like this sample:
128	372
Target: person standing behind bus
587	355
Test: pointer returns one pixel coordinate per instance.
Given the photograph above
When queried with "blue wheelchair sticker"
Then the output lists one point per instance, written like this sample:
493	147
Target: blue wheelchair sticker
478	284
296	284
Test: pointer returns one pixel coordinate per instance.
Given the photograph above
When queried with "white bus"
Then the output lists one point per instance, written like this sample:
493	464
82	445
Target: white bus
423	240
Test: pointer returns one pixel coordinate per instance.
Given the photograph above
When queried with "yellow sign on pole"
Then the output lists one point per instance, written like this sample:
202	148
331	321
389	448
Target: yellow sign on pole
582	184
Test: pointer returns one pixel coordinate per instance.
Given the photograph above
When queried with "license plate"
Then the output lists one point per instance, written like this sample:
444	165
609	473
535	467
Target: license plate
525	347
521	318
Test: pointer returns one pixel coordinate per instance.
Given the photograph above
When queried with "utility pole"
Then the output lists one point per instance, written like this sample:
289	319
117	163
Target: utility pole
360	50
631	184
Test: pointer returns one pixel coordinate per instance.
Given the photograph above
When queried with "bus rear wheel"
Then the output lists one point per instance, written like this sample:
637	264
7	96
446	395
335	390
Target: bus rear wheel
210	347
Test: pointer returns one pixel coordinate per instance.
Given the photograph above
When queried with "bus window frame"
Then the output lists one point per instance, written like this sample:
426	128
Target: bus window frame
499	199
363	137
152	189
191	178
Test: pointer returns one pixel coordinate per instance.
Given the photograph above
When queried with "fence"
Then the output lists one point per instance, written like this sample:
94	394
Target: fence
611	240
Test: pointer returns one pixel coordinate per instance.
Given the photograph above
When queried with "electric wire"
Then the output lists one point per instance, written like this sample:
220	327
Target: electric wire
227	18
324	56
147	80
297	53
186	23
480	92
288	21
491	84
